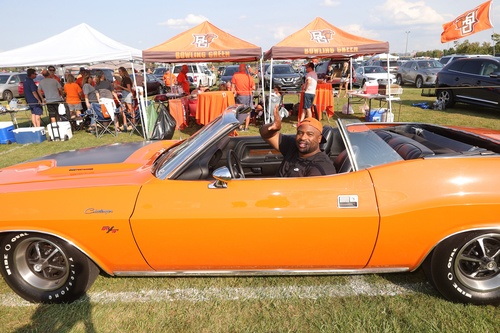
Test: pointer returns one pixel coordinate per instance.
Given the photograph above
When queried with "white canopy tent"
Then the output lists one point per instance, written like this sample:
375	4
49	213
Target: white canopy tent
79	45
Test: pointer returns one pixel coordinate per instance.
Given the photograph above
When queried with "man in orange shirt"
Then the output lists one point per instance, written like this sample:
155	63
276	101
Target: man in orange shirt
243	87
168	78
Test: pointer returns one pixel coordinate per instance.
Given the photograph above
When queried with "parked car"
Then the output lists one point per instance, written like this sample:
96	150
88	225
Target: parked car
228	73
421	73
159	71
470	80
451	57
377	73
155	85
212	204
392	68
108	73
196	72
9	85
283	75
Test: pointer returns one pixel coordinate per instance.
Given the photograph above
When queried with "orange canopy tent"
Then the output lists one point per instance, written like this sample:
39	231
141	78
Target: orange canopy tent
203	43
320	39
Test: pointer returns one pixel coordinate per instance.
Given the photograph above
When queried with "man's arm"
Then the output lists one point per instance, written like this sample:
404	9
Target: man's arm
270	132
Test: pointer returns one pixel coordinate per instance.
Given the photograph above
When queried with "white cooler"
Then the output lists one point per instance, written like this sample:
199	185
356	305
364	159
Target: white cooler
62	133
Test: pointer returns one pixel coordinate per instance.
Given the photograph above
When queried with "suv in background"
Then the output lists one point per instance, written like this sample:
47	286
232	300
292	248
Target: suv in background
9	83
228	73
196	72
283	75
470	80
393	65
445	60
418	72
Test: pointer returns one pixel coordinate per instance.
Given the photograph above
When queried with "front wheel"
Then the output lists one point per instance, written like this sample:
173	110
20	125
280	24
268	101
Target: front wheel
466	268
399	80
419	82
45	269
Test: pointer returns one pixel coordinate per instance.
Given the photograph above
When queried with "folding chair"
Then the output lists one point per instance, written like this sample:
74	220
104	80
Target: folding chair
102	124
133	121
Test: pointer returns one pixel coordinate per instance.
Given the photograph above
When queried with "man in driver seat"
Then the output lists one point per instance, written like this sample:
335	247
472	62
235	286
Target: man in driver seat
302	156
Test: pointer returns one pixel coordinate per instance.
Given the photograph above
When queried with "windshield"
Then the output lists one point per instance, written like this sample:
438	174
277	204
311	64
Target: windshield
375	69
365	147
283	70
230	71
430	64
177	157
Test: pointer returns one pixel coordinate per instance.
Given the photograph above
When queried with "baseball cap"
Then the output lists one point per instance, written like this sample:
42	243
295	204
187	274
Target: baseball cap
313	122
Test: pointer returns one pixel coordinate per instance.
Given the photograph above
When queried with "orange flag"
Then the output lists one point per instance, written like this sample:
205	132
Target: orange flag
468	23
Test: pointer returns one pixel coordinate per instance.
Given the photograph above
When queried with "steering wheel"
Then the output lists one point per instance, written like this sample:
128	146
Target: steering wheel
234	165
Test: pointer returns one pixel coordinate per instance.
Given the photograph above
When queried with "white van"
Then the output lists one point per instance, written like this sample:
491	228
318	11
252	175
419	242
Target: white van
196	72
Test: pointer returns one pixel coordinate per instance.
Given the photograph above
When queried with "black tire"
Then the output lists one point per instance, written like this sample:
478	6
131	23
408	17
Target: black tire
419	82
7	95
44	269
446	95
399	80
466	268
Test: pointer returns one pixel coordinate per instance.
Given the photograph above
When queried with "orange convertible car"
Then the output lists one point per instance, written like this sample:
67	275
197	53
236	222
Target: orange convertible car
405	195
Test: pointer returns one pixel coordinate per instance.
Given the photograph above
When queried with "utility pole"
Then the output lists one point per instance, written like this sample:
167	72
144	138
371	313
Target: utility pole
406	48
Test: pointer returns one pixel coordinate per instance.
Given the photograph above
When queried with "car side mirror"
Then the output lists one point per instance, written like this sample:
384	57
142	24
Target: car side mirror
222	175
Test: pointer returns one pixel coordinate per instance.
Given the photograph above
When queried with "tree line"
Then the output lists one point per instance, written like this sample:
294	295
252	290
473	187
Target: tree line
466	47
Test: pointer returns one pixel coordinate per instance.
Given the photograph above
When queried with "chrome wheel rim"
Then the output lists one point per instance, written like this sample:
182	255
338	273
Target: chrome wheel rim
41	263
477	264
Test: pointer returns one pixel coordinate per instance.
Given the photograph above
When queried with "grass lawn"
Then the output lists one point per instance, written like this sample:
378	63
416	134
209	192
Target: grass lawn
368	303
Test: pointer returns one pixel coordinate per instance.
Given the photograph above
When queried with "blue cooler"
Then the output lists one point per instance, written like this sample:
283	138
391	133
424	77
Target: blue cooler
374	115
30	135
6	132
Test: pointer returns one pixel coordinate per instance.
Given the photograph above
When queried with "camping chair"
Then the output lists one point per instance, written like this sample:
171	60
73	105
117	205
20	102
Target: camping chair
132	122
102	124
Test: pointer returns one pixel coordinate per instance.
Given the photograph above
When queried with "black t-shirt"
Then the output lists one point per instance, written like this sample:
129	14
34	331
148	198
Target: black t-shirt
295	166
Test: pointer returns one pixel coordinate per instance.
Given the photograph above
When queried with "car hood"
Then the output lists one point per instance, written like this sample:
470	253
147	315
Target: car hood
109	160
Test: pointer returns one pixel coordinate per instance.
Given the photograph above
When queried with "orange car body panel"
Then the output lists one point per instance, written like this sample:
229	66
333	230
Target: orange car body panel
268	224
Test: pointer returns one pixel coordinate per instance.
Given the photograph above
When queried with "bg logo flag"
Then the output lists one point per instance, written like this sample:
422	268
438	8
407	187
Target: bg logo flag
470	22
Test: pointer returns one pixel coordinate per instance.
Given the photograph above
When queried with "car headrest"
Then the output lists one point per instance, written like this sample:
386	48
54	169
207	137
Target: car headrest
327	140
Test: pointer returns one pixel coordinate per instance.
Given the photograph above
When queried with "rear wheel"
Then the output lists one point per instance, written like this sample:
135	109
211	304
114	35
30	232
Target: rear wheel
44	269
446	96
466	268
7	95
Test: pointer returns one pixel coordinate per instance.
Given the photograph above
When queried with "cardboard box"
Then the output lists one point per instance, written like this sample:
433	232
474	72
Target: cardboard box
30	135
6	132
60	131
395	89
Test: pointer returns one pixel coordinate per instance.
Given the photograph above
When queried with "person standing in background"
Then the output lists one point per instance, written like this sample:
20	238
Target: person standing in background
52	74
74	94
183	79
52	91
309	89
33	98
243	87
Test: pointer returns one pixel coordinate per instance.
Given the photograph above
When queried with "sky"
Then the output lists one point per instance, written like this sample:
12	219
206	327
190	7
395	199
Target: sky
408	25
